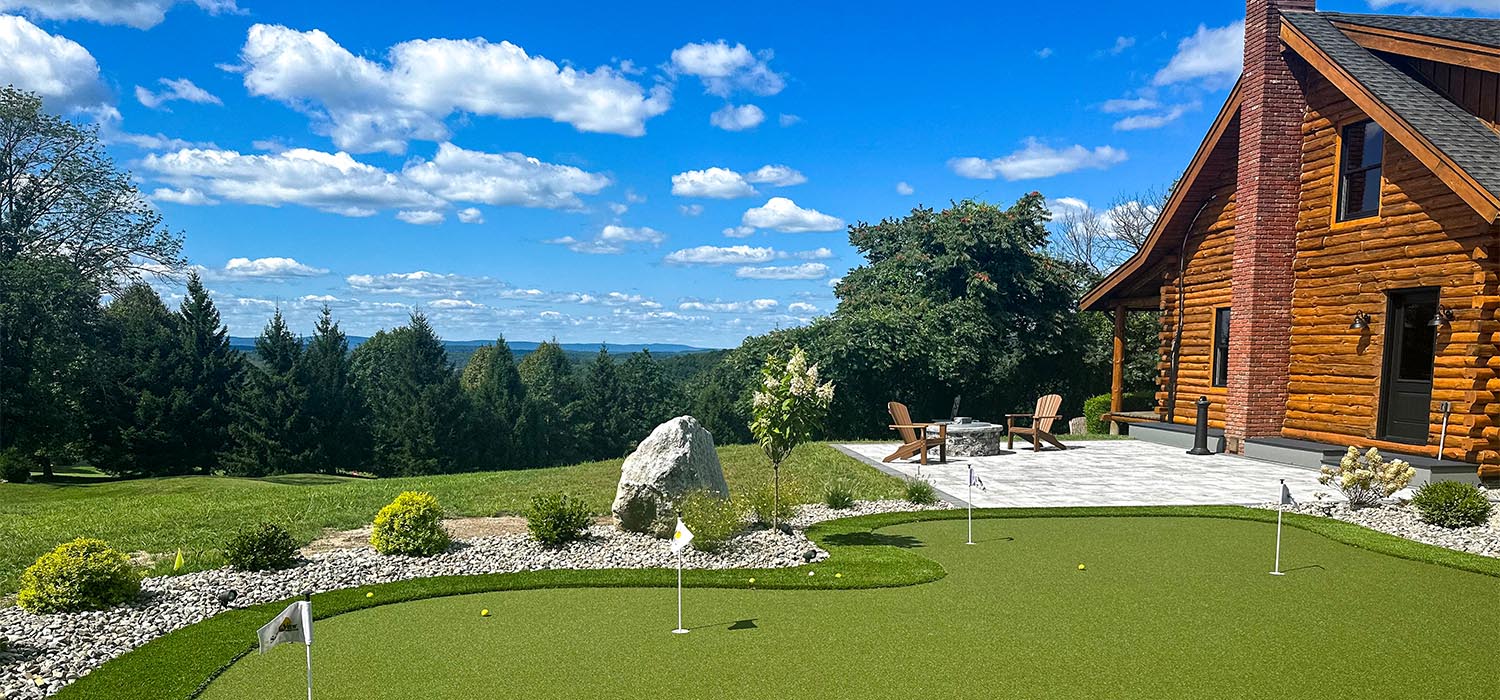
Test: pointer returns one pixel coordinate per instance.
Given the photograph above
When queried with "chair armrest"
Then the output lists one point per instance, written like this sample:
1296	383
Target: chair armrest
1023	415
913	426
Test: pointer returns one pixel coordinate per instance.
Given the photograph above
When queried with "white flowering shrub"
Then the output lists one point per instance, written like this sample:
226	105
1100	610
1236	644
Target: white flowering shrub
787	408
1367	478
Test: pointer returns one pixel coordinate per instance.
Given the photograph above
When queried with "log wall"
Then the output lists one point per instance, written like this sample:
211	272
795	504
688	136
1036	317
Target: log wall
1424	236
1206	286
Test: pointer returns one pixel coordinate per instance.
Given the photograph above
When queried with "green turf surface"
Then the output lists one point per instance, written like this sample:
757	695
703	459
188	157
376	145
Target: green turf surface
197	513
1167	608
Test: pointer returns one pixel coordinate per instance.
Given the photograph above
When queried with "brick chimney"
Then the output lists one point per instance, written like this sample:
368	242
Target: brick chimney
1266	199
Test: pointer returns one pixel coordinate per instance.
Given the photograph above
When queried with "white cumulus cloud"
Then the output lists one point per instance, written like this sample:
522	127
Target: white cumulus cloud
1211	55
723	183
750	306
461	175
471	215
58	69
804	271
782	214
1037	160
369	105
732	118
140	14
904	189
776	176
174	90
721	255
613	239
420	217
726	69
267	268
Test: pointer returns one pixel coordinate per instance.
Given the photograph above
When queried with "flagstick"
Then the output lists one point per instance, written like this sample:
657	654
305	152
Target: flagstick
1280	508
309	671
679	629
307	641
970	499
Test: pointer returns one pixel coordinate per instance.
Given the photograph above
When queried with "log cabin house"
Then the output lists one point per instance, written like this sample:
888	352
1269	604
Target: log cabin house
1327	271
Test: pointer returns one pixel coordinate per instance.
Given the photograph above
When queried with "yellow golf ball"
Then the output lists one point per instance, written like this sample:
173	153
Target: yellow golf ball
369	595
838	575
484	613
1080	567
752	579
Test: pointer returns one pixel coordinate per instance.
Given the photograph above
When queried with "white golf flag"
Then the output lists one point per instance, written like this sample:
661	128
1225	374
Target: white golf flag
1286	496
293	625
681	537
974	480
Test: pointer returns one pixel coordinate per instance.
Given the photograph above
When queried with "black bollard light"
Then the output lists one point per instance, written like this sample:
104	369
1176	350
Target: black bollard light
1200	431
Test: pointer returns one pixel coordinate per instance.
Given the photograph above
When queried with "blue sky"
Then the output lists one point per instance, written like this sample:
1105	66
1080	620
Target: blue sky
615	172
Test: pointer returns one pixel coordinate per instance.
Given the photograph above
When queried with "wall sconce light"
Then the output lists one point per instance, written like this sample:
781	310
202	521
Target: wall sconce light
1443	317
1361	321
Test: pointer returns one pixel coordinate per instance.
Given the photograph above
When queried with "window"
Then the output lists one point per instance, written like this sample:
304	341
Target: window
1221	347
1361	149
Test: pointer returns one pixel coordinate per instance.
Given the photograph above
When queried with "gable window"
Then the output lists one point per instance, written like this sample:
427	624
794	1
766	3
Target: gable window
1360	155
1221	347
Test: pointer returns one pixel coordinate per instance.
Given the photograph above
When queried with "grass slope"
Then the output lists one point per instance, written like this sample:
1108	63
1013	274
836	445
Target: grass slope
197	513
1175	603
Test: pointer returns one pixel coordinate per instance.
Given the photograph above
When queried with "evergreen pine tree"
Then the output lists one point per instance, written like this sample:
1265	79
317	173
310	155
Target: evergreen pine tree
206	369
268	429
133	430
417	411
599	413
648	398
550	400
493	384
338	435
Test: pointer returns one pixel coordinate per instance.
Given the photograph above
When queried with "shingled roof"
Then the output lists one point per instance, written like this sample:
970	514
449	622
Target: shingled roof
1470	144
1469	30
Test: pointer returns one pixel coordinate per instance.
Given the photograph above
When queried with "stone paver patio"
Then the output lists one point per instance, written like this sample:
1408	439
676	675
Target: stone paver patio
1103	473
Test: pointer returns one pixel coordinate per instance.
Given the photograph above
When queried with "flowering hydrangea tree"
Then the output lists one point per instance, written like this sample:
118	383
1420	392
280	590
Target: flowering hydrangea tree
1367	478
789	405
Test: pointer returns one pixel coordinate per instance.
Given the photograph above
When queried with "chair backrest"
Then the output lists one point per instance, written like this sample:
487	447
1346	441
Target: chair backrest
900	416
1046	409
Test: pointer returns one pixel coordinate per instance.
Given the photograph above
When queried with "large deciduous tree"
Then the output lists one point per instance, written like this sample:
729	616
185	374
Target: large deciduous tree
61	197
551	396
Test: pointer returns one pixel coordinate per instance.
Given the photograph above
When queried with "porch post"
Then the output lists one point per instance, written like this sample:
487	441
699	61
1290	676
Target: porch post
1117	380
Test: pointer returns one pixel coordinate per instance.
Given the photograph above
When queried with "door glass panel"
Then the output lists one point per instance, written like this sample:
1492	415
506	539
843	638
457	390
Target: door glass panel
1418	340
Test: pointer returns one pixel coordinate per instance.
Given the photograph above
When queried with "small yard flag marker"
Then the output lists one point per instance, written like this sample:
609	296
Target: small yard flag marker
680	540
974	480
1284	500
293	625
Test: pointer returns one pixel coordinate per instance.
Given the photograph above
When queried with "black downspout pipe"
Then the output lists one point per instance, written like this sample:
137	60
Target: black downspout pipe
1181	312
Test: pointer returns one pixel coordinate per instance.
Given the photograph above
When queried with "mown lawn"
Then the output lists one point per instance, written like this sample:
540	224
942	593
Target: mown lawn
196	513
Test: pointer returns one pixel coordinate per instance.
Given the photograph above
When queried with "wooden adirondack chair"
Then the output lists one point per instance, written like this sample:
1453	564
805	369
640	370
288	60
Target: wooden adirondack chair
914	438
1041	424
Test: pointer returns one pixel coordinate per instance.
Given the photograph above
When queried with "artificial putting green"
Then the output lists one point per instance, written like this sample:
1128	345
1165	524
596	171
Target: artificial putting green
1167	608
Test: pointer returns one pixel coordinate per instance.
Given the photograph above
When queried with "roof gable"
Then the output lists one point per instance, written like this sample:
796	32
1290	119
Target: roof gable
1457	146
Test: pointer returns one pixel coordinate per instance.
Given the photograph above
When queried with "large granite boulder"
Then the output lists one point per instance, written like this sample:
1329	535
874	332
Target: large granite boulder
678	457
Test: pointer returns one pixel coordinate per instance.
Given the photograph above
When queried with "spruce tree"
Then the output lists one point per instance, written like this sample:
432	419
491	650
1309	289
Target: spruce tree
599	413
132	427
493	384
206	369
417	411
338	435
647	398
550	401
268	429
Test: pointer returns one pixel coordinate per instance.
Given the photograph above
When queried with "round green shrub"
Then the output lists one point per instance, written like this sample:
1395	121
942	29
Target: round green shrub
265	547
15	467
713	520
412	525
1451	504
921	492
84	574
838	496
763	507
555	519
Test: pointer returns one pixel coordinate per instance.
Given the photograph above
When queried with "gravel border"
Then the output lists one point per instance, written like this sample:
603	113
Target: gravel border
40	654
1397	517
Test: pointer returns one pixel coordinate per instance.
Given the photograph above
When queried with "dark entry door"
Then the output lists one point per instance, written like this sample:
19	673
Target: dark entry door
1410	340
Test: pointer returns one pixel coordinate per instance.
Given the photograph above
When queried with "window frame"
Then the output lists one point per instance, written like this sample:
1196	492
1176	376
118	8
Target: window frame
1340	175
1216	347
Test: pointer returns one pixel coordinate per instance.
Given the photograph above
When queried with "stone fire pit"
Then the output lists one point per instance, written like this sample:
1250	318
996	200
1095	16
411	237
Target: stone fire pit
975	439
